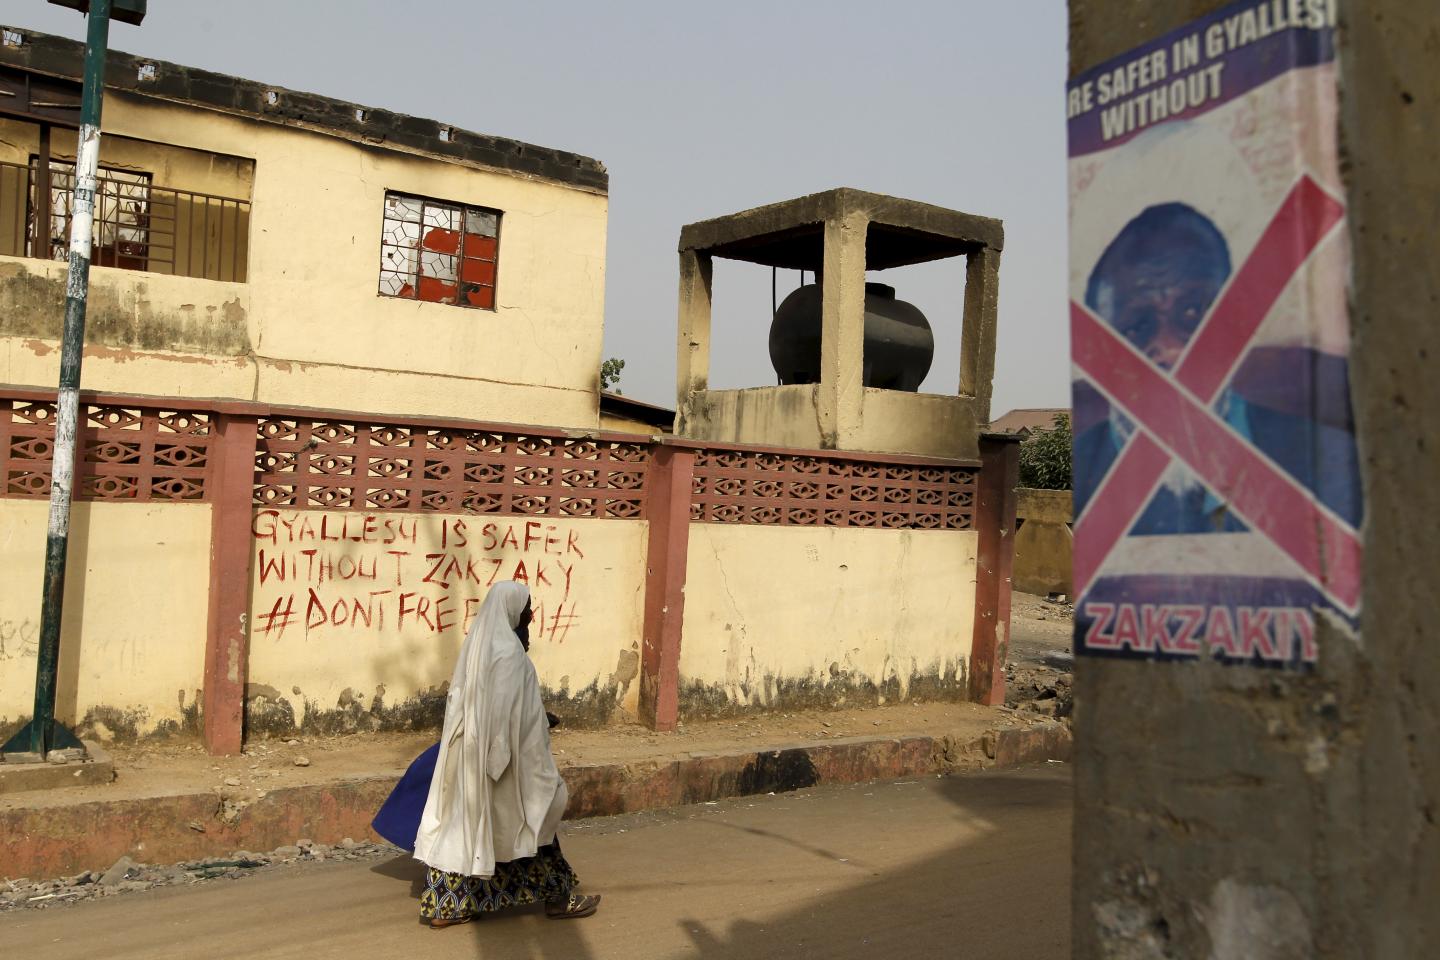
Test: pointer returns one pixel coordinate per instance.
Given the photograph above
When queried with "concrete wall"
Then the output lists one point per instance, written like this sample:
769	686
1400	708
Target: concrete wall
1044	544
927	425
309	326
924	424
794	617
782	416
356	619
1382	822
154	334
132	660
1249	813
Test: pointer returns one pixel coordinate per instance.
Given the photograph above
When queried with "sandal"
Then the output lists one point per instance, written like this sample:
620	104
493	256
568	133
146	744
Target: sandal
437	923
573	907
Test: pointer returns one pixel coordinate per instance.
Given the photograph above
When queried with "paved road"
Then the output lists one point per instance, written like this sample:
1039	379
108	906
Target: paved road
968	867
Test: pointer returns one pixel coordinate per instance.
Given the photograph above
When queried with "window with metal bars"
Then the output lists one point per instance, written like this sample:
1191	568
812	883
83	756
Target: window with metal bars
122	216
440	252
138	225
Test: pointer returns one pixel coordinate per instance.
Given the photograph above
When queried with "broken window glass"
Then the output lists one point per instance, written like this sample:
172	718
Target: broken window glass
426	255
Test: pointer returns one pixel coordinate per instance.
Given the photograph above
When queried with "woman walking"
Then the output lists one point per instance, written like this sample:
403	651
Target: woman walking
487	832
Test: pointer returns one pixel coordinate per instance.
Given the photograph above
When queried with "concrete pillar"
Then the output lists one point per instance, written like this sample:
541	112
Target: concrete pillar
231	486
692	352
1387	796
994	559
979	328
841	395
667	494
1233	810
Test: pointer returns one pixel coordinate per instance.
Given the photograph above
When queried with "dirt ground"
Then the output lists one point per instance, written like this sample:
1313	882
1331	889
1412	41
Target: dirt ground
1039	629
1037	677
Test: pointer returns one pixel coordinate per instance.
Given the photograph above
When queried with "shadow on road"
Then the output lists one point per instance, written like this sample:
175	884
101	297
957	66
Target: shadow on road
1045	786
1001	894
404	867
994	896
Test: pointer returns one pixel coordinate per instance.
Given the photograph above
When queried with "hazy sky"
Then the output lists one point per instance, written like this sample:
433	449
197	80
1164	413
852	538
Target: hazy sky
703	109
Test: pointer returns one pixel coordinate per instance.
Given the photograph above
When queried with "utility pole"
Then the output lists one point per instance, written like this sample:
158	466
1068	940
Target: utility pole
43	733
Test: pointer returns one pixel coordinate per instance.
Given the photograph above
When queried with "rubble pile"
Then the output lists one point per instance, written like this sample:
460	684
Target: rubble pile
1046	692
127	876
1038	678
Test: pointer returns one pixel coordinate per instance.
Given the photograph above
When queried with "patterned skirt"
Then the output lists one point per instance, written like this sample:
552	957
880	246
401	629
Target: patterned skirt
538	879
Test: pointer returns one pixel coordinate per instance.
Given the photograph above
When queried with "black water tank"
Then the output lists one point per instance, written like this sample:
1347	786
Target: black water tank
898	343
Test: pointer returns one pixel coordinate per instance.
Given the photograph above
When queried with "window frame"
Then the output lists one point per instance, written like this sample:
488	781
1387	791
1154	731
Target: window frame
55	244
408	284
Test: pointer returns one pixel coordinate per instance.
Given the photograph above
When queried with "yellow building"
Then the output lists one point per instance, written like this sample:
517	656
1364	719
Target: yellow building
256	243
341	374
261	246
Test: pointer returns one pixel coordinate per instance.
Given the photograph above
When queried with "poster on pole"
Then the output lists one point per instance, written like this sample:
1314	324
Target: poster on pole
1217	490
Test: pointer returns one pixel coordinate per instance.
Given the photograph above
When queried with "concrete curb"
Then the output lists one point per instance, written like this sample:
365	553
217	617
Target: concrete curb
44	842
97	768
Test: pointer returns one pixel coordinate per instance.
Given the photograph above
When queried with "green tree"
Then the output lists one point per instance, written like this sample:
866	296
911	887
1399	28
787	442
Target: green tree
1045	457
610	373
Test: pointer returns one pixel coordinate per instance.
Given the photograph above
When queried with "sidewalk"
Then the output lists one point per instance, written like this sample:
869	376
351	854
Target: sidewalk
173	802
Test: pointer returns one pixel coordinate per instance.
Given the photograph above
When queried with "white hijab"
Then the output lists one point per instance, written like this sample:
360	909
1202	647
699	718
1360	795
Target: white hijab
496	794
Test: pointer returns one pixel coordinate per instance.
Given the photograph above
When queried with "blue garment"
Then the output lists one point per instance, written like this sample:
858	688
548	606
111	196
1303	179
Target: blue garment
399	818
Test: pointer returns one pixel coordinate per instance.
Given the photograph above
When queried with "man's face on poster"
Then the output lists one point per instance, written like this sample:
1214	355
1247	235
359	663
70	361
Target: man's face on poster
1158	278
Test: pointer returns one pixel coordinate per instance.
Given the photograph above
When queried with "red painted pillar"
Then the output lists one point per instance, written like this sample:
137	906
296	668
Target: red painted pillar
668	507
227	641
995	521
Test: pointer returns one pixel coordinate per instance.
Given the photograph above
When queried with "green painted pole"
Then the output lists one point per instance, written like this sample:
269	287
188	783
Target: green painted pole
45	733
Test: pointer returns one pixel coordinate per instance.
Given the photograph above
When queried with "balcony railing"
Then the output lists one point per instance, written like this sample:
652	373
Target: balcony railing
138	226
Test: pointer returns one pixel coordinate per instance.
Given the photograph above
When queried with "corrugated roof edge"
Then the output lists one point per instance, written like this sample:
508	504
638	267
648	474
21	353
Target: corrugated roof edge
651	413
